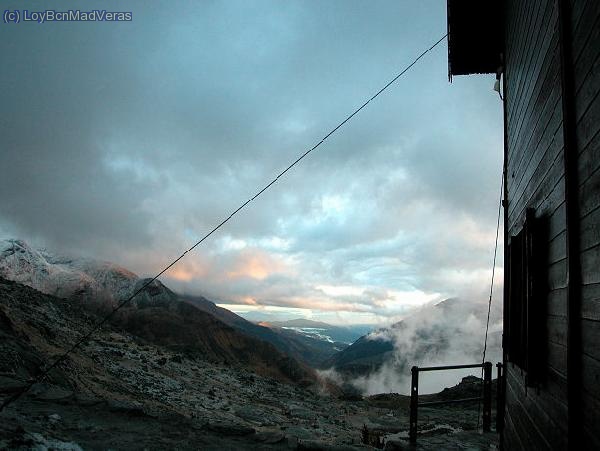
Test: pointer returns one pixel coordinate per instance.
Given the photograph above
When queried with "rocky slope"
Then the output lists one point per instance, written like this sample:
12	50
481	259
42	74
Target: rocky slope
119	374
119	391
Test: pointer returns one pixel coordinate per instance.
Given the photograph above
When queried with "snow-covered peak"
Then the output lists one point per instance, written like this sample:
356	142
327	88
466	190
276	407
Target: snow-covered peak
64	276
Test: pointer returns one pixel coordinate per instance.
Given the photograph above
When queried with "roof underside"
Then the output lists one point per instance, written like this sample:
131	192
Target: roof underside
475	36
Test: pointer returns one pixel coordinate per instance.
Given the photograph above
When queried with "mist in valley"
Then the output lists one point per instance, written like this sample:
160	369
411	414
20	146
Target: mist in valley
451	332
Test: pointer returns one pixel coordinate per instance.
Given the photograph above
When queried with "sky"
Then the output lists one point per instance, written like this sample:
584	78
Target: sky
129	141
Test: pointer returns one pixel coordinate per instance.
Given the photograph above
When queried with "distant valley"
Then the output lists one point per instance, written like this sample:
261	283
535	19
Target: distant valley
335	334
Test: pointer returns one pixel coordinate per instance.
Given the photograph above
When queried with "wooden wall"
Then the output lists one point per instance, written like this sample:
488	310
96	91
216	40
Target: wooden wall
536	418
585	23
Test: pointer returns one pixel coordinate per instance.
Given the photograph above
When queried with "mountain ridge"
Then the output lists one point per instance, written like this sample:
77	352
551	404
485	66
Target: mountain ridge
102	285
156	314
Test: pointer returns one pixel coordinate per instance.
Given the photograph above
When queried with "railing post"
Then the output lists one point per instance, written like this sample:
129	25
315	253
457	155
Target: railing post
487	396
414	404
499	399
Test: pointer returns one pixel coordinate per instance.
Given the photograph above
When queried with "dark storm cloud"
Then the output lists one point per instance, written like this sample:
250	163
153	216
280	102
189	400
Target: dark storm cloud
129	141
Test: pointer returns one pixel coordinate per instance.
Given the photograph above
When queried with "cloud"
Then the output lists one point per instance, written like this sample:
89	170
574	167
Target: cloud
447	333
130	141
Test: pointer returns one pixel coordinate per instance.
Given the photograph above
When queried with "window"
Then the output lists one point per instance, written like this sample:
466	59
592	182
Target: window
525	316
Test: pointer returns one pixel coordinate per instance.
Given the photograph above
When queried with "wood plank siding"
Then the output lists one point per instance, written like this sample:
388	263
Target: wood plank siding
535	417
540	147
585	25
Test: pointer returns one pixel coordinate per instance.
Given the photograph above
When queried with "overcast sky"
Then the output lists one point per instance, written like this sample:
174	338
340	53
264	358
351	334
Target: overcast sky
128	141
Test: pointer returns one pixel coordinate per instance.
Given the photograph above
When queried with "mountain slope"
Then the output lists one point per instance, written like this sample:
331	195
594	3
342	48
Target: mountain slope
101	284
310	350
156	314
118	391
363	356
189	330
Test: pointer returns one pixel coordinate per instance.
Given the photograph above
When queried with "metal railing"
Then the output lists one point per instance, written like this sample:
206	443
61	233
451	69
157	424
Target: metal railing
486	398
